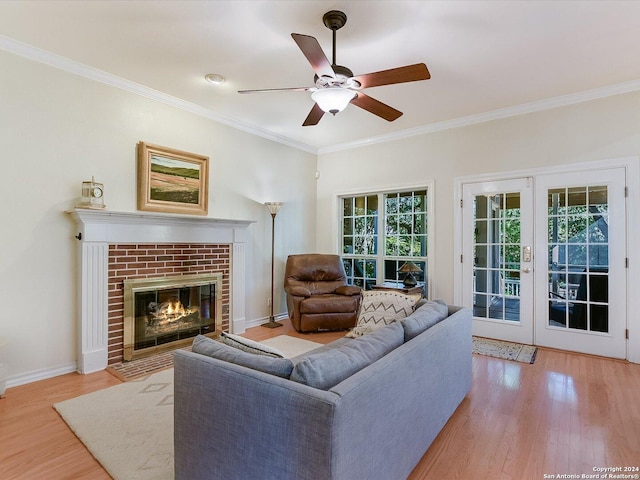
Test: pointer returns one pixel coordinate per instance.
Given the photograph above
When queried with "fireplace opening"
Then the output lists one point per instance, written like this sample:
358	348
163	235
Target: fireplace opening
163	313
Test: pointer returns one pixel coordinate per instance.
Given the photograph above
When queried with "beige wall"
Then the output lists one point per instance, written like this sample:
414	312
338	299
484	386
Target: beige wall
58	129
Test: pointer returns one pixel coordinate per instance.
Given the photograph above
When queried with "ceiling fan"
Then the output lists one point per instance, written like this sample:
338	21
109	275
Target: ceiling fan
336	86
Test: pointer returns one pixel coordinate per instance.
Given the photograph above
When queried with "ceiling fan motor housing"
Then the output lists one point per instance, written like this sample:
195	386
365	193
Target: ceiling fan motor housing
334	19
343	78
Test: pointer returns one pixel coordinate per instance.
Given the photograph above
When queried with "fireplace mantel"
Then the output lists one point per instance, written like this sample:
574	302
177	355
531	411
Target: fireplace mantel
104	225
96	229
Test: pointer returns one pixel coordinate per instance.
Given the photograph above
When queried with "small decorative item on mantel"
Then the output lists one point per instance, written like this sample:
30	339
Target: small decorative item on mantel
92	195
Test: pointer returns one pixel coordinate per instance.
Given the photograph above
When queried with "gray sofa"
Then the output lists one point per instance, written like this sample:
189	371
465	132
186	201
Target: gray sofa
234	422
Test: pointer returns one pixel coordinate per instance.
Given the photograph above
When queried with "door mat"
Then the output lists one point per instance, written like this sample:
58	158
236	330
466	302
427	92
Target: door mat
516	352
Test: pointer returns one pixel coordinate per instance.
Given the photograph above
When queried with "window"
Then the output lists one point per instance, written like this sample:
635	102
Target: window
382	231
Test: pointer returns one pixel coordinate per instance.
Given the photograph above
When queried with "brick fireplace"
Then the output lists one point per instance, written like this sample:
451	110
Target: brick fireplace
149	261
117	246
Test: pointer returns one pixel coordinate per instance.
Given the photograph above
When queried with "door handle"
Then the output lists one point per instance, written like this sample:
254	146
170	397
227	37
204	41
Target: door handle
526	270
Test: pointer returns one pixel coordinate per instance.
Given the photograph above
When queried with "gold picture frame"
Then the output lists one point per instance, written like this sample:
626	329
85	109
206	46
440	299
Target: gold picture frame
172	181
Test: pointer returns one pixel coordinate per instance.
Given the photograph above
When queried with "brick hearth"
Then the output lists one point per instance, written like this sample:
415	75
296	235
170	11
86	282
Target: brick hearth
135	261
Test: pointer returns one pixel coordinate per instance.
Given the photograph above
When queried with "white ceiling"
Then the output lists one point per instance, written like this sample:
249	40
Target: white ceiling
484	56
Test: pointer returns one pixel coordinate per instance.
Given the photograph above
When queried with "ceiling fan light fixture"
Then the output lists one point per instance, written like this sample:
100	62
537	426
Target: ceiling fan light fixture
333	100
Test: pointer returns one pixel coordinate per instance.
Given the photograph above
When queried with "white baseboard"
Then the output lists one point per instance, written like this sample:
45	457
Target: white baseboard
238	325
256	322
42	374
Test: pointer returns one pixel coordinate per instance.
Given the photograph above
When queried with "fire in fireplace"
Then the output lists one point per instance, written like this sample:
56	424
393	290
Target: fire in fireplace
163	313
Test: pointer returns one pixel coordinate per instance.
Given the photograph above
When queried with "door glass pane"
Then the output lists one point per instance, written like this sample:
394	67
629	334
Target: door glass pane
496	263
578	239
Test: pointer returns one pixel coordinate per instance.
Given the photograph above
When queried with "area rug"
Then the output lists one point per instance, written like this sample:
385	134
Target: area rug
505	350
128	428
291	346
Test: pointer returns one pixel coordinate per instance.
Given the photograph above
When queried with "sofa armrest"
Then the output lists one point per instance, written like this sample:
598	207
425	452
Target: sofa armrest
299	291
424	380
349	290
233	413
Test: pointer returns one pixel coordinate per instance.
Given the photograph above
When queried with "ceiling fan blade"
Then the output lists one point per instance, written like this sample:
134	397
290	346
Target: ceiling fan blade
294	89
312	50
314	116
376	107
409	73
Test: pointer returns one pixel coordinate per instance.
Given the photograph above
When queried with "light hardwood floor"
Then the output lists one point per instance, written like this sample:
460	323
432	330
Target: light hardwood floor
565	414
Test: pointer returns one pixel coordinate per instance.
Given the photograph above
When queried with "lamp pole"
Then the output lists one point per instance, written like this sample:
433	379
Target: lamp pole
273	207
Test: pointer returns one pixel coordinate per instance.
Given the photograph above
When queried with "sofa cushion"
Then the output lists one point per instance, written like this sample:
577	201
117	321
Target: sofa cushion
426	316
380	308
281	367
249	346
326	367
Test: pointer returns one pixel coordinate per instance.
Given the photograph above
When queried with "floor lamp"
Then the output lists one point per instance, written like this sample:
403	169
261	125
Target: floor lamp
273	207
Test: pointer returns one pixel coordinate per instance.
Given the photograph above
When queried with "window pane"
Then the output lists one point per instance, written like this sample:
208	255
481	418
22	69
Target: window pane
577	200
556	201
481	207
420	201
392	224
347	227
420	246
392	204
347	245
512	203
576	229
347	207
391	246
405	224
372	205
405	202
557	229
420	223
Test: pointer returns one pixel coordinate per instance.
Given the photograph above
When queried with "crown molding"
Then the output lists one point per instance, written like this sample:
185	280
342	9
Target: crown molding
77	68
547	104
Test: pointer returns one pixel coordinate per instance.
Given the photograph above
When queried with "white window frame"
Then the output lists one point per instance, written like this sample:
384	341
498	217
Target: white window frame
380	256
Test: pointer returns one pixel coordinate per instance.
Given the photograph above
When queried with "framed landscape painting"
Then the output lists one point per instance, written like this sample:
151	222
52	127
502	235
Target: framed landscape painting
172	181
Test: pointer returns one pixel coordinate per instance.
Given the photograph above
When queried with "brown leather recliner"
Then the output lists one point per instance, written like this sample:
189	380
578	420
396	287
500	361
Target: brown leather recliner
318	297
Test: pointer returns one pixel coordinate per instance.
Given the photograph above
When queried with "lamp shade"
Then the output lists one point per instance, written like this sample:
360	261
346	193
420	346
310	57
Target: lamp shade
334	99
274	207
409	267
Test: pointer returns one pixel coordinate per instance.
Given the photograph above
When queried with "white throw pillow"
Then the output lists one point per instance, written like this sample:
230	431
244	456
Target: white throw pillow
379	308
249	346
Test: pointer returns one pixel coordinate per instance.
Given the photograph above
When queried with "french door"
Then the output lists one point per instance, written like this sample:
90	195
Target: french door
580	262
497	258
544	260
